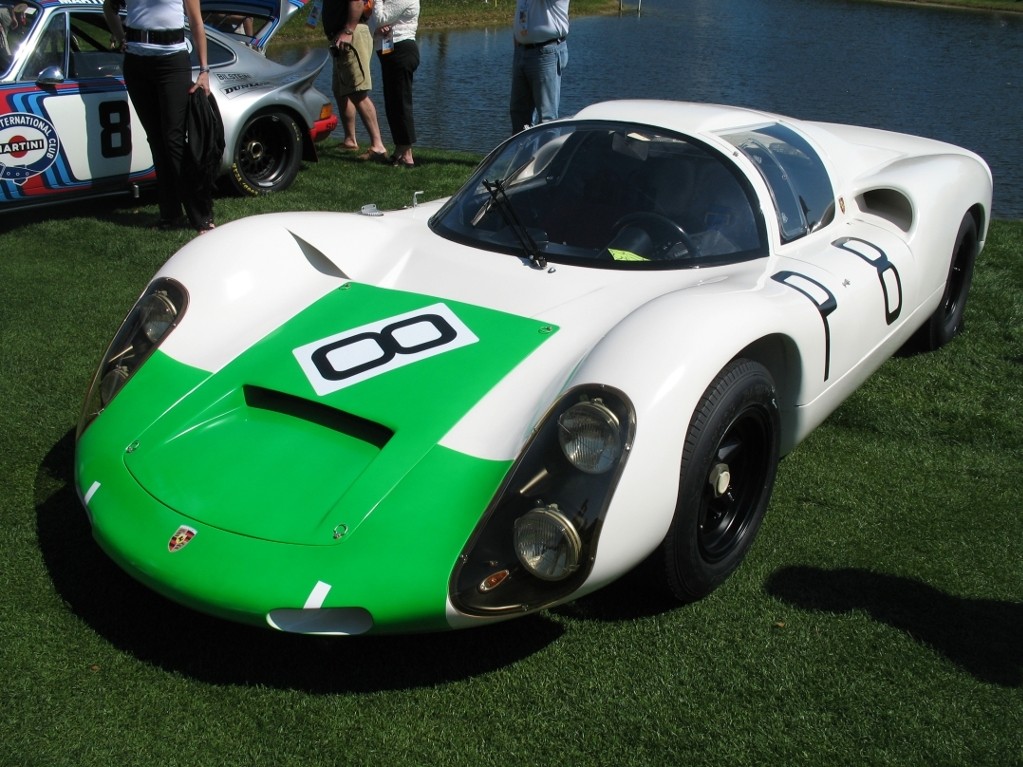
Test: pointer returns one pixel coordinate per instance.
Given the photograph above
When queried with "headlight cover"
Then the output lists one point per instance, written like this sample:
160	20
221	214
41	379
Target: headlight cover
157	312
536	541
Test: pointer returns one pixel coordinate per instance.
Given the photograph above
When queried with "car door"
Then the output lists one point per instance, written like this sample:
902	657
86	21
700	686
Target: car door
858	279
67	126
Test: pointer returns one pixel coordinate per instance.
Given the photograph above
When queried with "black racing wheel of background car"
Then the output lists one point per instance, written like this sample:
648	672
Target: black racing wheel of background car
728	468
268	155
947	321
663	231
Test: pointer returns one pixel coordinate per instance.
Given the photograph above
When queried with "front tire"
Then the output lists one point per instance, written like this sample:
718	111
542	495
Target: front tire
268	155
729	463
947	321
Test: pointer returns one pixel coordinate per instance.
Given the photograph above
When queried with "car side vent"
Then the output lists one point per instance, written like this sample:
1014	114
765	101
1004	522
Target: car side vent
890	205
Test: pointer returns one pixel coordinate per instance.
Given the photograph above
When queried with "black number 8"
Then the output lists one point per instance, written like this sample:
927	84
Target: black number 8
389	346
115	121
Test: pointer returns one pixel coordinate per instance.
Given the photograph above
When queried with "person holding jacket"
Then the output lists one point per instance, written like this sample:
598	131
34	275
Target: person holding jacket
158	75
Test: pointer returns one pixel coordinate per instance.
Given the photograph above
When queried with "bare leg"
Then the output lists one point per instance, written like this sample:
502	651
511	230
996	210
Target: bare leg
363	104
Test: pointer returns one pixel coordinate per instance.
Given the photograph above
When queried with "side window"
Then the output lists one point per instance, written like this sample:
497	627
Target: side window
795	174
90	47
50	50
216	53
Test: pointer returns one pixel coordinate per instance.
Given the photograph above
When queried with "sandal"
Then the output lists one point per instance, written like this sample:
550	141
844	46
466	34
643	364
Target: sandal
397	162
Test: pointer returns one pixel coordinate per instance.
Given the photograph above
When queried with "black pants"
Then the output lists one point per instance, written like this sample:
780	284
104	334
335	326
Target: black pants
158	87
397	69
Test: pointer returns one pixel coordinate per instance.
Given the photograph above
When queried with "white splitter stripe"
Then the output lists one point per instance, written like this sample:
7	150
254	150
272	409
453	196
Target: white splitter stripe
91	492
317	595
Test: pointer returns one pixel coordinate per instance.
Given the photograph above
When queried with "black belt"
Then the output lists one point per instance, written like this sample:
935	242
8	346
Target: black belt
154	36
545	42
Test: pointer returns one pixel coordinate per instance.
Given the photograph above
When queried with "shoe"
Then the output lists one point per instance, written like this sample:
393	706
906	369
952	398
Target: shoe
397	162
206	226
370	155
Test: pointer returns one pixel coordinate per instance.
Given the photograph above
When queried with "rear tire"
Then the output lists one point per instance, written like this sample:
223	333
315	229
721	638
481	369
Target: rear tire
947	321
268	155
729	463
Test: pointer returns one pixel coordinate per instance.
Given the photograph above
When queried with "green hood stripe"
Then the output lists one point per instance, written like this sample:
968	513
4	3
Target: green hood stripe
257	451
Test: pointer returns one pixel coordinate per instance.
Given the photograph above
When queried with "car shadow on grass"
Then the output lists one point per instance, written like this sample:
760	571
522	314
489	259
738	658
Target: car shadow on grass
160	632
981	636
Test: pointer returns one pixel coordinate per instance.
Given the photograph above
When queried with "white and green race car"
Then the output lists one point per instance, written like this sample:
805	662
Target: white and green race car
479	407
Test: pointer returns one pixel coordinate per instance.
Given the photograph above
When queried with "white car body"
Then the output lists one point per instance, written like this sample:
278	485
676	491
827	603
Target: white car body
820	313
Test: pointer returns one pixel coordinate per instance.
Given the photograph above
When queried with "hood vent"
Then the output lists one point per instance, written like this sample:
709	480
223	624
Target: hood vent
348	424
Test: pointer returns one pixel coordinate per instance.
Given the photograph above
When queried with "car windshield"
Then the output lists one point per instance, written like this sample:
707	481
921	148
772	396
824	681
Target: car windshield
16	21
607	195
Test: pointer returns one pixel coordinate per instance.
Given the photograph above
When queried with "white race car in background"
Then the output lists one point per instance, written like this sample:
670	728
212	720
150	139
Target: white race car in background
468	410
68	129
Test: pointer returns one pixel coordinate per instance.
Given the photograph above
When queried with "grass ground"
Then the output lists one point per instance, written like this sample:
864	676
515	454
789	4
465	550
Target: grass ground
876	621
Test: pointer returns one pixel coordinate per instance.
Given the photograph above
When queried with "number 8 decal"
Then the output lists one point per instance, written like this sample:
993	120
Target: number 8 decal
361	353
115	125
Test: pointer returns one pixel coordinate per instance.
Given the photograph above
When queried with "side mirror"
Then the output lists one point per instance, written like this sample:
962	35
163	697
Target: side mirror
50	76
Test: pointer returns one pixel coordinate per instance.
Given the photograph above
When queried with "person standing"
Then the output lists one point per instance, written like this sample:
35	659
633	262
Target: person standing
394	25
351	81
539	59
158	75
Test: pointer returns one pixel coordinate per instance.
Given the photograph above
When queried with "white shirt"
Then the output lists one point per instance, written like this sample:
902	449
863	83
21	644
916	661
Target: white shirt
537	21
151	15
401	15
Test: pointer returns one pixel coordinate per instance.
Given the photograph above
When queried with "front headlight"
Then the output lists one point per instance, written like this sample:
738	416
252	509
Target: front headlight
590	436
547	544
154	315
535	544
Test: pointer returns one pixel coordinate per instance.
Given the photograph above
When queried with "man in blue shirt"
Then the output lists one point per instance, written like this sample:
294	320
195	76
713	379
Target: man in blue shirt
540	57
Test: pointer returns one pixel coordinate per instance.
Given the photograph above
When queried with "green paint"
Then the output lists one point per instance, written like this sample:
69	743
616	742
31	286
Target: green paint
286	488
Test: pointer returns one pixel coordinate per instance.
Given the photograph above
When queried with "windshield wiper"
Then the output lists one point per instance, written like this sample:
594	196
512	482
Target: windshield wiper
497	194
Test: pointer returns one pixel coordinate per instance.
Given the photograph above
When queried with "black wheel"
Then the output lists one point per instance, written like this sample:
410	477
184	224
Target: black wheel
729	463
947	321
668	239
268	154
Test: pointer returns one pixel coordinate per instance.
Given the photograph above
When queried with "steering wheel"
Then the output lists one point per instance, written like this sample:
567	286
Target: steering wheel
663	231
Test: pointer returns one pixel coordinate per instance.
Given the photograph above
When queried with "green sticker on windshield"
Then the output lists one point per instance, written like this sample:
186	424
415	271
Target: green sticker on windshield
625	255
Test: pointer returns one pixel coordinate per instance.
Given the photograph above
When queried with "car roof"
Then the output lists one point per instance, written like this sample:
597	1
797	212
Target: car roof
692	118
274	12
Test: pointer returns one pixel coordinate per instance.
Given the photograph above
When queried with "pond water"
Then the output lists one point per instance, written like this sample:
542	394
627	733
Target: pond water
943	73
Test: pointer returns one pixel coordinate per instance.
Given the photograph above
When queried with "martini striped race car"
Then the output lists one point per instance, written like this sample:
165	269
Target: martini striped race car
68	129
591	356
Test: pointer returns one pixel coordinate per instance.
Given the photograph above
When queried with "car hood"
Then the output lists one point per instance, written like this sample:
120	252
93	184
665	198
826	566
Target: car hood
314	426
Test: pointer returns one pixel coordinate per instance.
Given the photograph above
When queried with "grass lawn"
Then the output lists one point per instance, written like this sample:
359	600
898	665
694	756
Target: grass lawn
876	621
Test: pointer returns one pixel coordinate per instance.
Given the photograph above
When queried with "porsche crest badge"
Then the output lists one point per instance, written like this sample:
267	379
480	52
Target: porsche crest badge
180	538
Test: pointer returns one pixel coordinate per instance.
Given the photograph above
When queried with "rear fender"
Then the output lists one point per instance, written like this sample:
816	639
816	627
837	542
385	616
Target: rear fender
288	97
